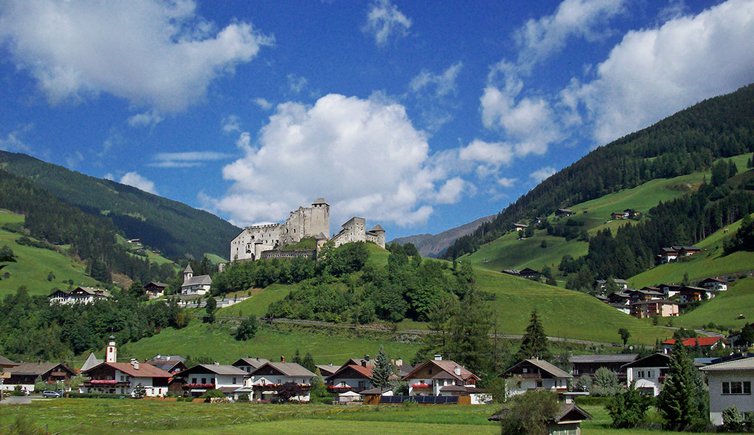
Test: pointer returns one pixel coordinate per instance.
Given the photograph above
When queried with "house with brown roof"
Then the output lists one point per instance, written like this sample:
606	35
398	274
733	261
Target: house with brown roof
431	377
79	295
589	364
196	380
654	308
250	364
266	380
126	378
25	375
351	377
327	369
155	289
716	284
169	363
533	374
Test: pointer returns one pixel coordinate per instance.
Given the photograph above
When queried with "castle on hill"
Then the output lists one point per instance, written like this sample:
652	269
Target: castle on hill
267	241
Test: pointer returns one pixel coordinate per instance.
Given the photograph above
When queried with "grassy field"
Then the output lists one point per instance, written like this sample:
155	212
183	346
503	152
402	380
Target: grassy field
216	341
564	313
33	265
710	262
724	309
95	416
259	301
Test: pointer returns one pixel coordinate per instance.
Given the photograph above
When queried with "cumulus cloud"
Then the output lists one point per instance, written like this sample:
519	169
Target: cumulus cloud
149	118
542	174
653	73
138	181
506	182
364	155
442	84
385	21
187	159
263	103
156	54
541	38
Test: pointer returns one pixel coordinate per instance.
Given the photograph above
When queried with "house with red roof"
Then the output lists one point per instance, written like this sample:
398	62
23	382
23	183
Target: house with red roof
439	377
351	377
126	378
705	343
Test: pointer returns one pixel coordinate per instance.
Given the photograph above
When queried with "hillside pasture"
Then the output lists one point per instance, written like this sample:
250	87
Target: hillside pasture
730	309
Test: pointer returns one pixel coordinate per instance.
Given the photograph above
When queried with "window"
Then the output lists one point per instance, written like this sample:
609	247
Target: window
193	380
204	380
234	380
649	373
539	384
737	387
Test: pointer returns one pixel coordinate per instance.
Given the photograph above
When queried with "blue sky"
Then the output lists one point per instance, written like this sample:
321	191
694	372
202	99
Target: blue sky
419	116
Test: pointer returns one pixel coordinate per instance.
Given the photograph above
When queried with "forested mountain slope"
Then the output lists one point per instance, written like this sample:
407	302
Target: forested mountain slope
169	226
681	144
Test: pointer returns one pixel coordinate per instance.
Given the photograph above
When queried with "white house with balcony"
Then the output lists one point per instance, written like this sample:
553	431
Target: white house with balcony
535	374
202	377
79	295
268	378
648	373
431	377
730	385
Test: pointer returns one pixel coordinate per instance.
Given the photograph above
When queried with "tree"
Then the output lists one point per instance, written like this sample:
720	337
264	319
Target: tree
6	254
624	335
210	308
469	333
682	401
247	329
288	391
318	392
308	362
534	342
382	371
50	277
297	357
628	409
605	382
529	413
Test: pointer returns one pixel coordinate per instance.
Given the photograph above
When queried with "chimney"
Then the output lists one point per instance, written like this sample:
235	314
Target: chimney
438	357
135	363
216	363
282	358
457	371
364	363
366	357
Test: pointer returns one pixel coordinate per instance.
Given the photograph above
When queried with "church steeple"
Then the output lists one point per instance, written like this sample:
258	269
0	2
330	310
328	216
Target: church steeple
111	354
188	273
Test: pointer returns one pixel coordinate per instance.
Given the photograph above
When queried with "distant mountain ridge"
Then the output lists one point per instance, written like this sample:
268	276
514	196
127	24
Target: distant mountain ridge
434	245
172	227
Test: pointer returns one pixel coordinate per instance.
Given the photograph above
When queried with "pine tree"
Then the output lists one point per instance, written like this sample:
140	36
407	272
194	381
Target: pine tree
382	370
469	333
534	342
309	362
297	357
682	402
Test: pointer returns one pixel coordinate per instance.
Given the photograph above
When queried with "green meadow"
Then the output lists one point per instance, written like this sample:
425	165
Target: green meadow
730	309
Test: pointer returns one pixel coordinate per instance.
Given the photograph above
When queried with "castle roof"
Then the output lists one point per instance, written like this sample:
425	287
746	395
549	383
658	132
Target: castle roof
319	201
378	228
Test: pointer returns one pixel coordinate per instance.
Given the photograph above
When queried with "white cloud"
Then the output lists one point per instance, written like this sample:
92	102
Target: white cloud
363	155
156	54
296	84
653	73
13	141
542	174
231	124
138	181
187	159
444	84
150	118
541	38
434	94
453	189
385	21
506	182
263	103
74	159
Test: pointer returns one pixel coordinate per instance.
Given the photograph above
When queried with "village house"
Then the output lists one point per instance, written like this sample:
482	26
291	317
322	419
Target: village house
563	212
673	253
729	385
25	375
79	295
170	363
127	378
202	377
567	420
535	374
670	290
654	308
647	373
714	284
438	376
600	285
250	364
589	364
195	285
351	377
155	289
520	227
327	369
695	294
702	343
527	273
266	380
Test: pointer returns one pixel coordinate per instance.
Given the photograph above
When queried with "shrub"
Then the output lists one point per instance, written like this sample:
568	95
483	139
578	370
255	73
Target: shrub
628	409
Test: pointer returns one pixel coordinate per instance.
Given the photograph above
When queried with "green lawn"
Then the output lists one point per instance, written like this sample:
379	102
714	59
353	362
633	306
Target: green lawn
564	313
259	301
724	309
215	341
33	265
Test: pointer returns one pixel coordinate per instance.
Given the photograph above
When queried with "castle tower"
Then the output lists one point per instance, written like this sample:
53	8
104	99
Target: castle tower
111	354
188	273
320	220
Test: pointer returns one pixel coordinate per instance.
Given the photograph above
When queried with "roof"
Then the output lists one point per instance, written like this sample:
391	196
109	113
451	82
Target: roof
6	362
746	364
91	361
36	369
93	291
198	280
361	370
378	227
548	367
155	284
320	201
654	360
188	269
721	281
693	341
567	412
289	369
597	359
218	369
453	389
252	362
144	371
448	366
373	391
329	368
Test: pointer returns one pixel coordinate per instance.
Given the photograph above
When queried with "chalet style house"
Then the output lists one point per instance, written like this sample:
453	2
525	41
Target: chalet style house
589	364
351	377
127	378
266	380
25	375
155	289
715	284
169	363
249	364
202	377
438	376
730	385
673	253
532	374
79	295
648	373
